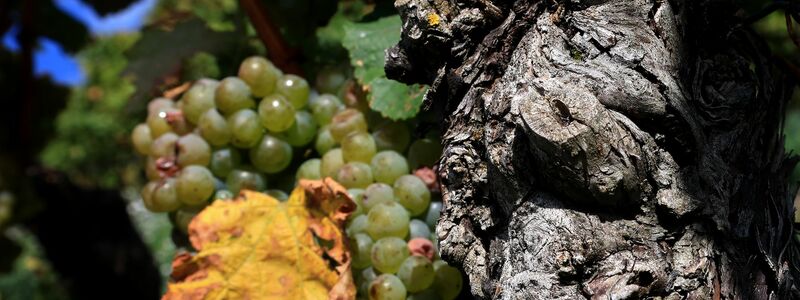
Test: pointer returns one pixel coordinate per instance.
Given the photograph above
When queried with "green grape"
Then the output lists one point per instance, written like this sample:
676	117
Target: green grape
388	254
432	215
330	79
358	197
164	145
302	130
358	146
193	150
412	193
168	120
424	153
223	195
447	282
325	107
357	225
195	185
295	89
183	217
416	273
346	122
387	219
214	128
360	248
426	294
141	139
324	141
157	104
388	165
260	74
377	193
418	229
271	155
332	161
233	95
198	99
223	161
163	196
245	179
277	194
309	169
365	277
392	136
355	175
276	113
157	122
246	128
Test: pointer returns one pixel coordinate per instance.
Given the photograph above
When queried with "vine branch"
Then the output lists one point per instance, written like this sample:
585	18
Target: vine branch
284	56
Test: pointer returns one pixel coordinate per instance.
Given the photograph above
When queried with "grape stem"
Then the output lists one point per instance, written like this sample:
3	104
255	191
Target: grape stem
278	50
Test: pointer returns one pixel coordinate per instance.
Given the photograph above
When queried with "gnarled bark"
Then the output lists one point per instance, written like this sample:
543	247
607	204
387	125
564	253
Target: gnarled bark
614	149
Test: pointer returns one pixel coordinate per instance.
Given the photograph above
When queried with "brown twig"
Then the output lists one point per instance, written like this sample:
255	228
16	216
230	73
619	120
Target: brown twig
283	56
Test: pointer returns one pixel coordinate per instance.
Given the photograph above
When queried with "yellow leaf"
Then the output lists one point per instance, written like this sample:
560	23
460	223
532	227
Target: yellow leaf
256	247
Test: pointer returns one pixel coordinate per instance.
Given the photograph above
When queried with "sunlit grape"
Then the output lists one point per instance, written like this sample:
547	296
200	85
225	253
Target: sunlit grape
388	254
324	141
310	169
347	121
232	95
195	185
388	165
260	74
214	128
416	273
246	128
325	107
358	146
276	113
198	99
332	161
193	150
302	130
355	175
412	193
387	219
294	88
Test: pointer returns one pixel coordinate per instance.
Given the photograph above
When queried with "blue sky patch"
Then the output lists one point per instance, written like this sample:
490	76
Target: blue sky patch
51	60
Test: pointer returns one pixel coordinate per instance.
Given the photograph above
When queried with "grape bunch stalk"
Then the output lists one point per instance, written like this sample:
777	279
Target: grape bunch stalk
238	133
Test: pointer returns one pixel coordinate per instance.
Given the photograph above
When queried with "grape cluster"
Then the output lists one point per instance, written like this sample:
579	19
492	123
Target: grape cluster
237	133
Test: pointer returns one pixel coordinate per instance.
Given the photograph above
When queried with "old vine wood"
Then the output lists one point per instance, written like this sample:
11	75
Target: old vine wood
608	149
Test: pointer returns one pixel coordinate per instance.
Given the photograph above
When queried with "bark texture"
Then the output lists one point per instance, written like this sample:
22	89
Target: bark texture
609	149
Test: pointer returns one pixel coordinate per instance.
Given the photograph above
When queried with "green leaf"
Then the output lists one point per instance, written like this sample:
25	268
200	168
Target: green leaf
395	100
367	44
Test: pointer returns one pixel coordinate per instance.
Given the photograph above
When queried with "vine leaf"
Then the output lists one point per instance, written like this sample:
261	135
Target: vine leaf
394	99
257	247
367	43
